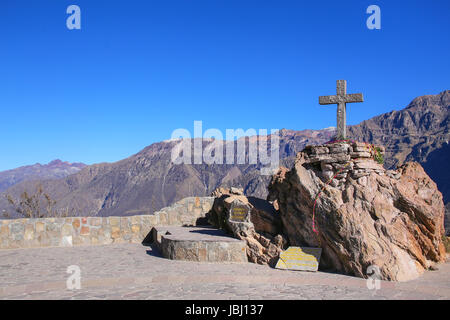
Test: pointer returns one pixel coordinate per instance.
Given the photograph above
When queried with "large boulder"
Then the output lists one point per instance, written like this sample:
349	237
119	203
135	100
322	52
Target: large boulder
250	219
339	198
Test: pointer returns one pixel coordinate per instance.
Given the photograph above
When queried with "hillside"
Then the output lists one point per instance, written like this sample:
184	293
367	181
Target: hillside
148	181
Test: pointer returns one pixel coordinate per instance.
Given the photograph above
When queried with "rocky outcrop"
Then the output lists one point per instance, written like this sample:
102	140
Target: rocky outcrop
447	219
339	198
250	219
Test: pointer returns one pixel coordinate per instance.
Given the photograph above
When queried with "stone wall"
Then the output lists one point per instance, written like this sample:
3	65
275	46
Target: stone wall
74	231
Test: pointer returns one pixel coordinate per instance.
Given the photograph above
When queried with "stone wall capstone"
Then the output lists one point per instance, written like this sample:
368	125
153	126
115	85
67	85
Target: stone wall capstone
75	231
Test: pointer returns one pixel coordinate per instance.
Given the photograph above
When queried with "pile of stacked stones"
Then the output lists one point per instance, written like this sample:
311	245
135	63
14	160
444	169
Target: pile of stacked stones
336	161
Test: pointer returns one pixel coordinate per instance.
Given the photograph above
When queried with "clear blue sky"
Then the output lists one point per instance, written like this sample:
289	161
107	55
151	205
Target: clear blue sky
137	70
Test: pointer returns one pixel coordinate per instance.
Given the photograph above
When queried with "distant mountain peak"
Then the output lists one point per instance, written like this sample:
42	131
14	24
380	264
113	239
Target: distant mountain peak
53	170
442	99
57	162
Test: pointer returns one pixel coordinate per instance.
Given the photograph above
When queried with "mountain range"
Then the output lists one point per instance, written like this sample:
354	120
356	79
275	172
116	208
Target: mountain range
53	170
148	180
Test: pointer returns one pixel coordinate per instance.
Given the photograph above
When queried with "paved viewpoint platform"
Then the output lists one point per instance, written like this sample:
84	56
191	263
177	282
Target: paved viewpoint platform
133	271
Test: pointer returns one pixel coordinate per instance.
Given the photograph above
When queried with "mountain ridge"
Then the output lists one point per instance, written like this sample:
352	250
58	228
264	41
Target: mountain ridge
55	169
148	181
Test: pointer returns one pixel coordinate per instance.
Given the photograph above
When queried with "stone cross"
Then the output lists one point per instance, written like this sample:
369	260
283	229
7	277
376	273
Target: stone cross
341	98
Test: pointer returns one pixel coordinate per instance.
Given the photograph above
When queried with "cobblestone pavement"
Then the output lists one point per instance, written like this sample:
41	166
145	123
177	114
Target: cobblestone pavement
133	271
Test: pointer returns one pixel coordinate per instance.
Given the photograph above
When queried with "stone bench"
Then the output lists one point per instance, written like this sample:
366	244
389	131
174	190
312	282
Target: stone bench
203	244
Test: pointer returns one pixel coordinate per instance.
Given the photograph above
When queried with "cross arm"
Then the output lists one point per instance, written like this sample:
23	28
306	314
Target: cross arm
354	97
329	99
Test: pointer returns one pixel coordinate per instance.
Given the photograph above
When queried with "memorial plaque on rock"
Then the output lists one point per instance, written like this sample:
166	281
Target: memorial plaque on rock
239	212
297	258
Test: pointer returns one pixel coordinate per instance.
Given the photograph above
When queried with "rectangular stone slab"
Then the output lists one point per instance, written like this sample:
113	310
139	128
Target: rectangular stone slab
202	244
299	258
